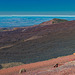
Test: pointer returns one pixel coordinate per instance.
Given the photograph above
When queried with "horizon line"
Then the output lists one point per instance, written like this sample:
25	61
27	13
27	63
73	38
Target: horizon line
37	15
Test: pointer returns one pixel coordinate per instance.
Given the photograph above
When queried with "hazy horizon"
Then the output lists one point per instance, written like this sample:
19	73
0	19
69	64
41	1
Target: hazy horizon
27	20
37	13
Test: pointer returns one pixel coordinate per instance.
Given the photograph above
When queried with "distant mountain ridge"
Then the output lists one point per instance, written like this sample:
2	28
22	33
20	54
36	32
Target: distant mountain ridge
53	21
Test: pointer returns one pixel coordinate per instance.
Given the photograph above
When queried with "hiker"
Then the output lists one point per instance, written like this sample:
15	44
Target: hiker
56	65
22	70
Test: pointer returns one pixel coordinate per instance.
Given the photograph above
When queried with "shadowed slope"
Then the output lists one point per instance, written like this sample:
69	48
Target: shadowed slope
37	43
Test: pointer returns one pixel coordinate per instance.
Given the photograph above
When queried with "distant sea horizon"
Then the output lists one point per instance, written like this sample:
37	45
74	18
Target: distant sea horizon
29	20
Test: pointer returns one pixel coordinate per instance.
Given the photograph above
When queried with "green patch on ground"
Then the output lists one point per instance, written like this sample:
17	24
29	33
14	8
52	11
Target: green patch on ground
12	64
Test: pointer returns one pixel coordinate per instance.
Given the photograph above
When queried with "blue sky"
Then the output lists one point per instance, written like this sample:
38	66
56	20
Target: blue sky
37	7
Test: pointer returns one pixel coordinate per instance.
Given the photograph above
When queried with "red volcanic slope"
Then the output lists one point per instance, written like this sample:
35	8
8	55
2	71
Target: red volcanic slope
31	68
